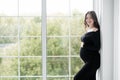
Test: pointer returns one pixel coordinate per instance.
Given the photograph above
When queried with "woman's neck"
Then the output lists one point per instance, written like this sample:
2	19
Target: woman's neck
91	26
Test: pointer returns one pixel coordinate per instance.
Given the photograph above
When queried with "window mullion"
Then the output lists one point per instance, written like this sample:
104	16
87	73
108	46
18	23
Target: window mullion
44	61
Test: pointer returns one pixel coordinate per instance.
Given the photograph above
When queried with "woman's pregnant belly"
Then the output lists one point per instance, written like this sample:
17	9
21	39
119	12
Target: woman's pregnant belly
89	55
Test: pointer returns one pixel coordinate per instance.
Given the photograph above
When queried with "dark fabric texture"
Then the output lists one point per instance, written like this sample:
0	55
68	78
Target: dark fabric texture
90	55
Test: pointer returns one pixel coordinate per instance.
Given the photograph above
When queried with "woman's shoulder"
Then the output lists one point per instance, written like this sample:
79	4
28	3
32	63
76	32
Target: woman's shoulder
91	32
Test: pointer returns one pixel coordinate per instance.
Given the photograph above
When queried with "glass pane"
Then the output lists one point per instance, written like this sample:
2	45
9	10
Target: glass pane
72	78
57	66
75	45
8	66
54	7
8	46
31	78
30	7
8	26
77	25
57	26
30	47
8	7
30	26
57	78
76	65
57	46
81	6
8	78
30	66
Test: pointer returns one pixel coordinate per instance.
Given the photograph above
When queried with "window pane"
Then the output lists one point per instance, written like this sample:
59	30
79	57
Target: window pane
30	26
8	26
8	46
30	66
30	47
57	66
8	7
30	7
75	45
76	65
57	78
8	78
8	66
54	7
57	46
77	25
72	78
30	78
57	26
81	6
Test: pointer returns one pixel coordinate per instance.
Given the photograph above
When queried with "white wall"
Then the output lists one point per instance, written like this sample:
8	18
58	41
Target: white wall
109	17
116	40
107	38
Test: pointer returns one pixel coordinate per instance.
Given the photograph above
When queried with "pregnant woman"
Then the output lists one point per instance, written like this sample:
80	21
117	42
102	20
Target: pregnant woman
90	46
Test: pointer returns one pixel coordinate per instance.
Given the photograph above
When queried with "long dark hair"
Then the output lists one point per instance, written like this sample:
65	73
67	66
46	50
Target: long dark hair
94	17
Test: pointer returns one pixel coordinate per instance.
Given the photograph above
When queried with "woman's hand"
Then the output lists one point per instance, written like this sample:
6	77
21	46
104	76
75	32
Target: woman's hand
82	43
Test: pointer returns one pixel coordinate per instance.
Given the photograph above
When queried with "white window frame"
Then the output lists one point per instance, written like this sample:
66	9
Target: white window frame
44	32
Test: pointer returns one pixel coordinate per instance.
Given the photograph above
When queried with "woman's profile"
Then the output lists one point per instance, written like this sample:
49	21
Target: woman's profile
90	46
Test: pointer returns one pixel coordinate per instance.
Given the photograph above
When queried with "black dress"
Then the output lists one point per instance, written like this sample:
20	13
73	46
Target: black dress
90	55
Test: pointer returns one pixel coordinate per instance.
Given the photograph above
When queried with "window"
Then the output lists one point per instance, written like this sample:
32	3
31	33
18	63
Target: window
21	38
64	28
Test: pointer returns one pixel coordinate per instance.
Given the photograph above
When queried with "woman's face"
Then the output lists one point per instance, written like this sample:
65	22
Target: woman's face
89	20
